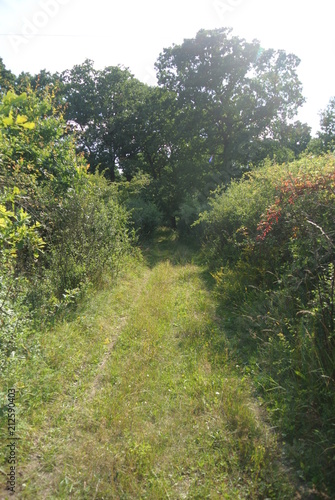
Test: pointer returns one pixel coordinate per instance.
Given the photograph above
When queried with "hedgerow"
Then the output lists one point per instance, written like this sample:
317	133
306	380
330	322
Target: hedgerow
61	228
270	243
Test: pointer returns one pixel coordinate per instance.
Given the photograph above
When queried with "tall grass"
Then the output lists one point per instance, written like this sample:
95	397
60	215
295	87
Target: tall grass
270	242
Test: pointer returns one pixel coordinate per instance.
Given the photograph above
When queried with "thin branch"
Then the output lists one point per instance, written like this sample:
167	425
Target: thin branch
322	231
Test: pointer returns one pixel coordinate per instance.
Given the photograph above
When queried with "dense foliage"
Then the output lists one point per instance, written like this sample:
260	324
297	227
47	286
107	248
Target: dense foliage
60	227
88	157
270	241
221	105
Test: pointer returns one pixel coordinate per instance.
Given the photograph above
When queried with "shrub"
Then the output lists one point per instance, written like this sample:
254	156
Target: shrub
61	228
187	214
270	241
145	216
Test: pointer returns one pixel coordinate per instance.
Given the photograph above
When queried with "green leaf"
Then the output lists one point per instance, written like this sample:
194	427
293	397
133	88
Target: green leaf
21	119
28	125
8	121
299	374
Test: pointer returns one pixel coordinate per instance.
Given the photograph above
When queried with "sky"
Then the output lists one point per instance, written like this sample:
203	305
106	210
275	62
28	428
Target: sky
57	34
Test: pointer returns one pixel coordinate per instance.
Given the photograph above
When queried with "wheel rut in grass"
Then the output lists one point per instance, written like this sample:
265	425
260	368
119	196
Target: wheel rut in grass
151	407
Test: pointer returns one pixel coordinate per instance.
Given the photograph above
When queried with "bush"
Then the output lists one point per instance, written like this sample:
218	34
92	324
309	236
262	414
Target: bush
61	228
270	241
187	214
145	216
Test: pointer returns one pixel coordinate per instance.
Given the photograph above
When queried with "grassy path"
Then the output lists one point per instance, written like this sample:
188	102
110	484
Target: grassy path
130	402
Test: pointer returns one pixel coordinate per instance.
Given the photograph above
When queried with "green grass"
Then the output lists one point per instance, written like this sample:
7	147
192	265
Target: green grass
126	399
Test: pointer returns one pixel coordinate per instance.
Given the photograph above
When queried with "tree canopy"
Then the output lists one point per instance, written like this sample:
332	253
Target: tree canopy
233	94
102	107
222	105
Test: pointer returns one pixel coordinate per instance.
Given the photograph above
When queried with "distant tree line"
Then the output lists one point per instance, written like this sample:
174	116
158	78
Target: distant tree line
222	105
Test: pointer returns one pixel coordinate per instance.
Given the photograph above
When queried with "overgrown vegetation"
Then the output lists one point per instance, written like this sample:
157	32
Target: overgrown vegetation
128	401
61	228
92	161
270	243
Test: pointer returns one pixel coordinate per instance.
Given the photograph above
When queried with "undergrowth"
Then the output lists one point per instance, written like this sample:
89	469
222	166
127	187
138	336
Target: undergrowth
270	244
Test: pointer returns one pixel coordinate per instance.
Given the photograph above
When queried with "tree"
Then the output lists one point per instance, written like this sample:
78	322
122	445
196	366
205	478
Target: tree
327	124
325	140
232	95
295	136
42	83
287	142
7	79
153	131
160	143
102	107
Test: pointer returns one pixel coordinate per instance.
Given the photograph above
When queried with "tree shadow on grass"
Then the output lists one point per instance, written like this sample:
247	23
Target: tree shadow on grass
167	245
226	338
